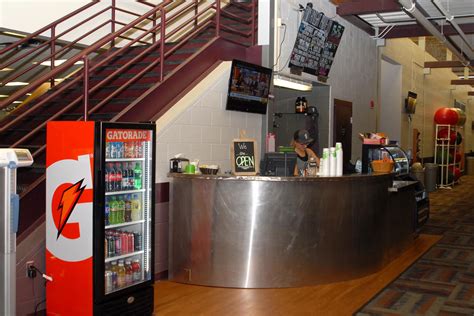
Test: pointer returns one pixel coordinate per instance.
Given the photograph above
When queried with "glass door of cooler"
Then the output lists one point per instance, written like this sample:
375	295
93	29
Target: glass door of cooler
128	179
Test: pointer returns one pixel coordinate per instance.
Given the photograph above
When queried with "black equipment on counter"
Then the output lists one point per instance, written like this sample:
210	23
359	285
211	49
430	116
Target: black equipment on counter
178	164
278	164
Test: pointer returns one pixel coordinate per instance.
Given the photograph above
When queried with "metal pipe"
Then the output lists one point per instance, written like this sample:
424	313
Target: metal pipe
253	23
410	7
162	42
112	24
450	19
53	50
196	10
218	18
86	85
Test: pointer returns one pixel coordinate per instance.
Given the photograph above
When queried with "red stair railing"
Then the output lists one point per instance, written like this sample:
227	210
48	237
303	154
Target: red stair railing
157	13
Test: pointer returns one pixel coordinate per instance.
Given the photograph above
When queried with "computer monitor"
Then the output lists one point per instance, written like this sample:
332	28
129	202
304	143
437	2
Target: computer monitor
279	164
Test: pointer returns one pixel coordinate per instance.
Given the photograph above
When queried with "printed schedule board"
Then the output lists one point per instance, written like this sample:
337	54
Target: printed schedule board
244	157
316	43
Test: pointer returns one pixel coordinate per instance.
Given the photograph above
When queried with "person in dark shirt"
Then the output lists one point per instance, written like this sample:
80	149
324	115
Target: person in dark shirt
301	141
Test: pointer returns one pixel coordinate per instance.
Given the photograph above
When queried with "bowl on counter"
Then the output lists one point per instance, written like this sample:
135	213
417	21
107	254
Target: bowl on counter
209	169
382	166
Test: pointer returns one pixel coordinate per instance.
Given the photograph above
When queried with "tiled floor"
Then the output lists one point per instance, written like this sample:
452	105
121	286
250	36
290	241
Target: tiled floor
442	281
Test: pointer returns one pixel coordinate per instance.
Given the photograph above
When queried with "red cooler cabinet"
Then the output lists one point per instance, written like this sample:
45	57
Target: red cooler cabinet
100	218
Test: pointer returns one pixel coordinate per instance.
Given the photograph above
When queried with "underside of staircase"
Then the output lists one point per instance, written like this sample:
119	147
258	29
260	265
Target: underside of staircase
136	94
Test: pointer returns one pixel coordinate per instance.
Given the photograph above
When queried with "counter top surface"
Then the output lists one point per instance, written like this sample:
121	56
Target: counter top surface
225	177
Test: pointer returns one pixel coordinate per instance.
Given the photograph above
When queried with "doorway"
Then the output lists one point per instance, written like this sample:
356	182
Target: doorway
343	127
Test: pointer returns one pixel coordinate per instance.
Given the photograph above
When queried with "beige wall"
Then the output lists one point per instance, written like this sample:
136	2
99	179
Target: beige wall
434	91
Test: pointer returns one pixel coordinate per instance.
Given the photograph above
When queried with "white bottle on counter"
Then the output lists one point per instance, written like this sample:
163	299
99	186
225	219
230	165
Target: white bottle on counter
325	163
270	143
332	161
339	159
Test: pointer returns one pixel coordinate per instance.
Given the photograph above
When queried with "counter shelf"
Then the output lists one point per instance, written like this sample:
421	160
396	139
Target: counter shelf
124	224
124	192
127	255
123	159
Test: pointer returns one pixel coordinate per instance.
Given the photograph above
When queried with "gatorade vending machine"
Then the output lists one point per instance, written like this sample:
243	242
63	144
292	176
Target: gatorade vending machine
99	218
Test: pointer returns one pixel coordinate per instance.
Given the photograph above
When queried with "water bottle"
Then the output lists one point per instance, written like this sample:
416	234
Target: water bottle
137	172
107	212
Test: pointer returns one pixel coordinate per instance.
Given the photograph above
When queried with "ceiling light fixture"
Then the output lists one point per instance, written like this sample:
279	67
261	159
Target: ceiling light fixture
16	83
6	69
291	83
14	34
3	95
57	62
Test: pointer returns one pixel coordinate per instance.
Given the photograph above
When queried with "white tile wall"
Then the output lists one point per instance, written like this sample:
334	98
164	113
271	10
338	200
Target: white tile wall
204	129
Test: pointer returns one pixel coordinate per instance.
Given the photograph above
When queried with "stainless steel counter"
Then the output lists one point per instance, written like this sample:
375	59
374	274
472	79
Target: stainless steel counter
266	232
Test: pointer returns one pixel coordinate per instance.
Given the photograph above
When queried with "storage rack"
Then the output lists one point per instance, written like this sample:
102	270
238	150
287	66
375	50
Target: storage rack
442	153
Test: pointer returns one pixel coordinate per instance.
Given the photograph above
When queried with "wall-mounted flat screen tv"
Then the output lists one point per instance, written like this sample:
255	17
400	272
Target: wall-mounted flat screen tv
410	103
249	86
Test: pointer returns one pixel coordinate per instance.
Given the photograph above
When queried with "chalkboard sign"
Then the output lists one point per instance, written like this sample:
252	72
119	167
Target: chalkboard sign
244	157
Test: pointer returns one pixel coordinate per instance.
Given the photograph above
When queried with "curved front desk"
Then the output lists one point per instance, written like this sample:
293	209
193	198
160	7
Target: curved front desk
267	232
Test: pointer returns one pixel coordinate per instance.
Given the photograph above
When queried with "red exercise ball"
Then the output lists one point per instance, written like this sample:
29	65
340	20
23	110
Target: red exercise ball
456	156
461	116
456	172
446	116
443	133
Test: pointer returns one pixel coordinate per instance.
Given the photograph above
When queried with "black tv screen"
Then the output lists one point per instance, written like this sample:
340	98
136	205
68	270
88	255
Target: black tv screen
249	86
410	103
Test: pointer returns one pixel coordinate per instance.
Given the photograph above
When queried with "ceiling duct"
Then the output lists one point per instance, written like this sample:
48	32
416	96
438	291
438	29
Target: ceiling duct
410	7
450	19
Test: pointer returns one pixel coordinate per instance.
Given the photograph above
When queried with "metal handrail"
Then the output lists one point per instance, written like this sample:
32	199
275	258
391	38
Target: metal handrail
158	28
47	27
158	12
97	45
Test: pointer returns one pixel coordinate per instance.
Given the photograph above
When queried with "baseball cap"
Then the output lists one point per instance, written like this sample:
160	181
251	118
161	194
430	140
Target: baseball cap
302	136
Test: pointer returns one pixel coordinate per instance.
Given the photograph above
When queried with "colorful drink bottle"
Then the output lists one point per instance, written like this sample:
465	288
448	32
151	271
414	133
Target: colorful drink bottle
136	208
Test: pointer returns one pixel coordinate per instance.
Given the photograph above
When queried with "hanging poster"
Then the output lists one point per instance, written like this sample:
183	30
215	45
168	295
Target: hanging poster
316	43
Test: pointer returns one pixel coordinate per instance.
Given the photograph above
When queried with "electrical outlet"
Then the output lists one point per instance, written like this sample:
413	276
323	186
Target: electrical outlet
30	272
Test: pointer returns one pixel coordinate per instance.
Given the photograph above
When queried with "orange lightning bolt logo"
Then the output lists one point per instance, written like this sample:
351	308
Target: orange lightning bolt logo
67	203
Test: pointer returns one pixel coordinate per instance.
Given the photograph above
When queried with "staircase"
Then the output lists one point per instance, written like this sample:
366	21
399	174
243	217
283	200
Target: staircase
122	78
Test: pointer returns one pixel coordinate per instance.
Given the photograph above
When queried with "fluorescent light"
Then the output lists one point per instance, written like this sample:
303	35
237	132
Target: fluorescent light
16	83
6	69
14	34
469	77
3	95
57	62
28	94
290	83
16	102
